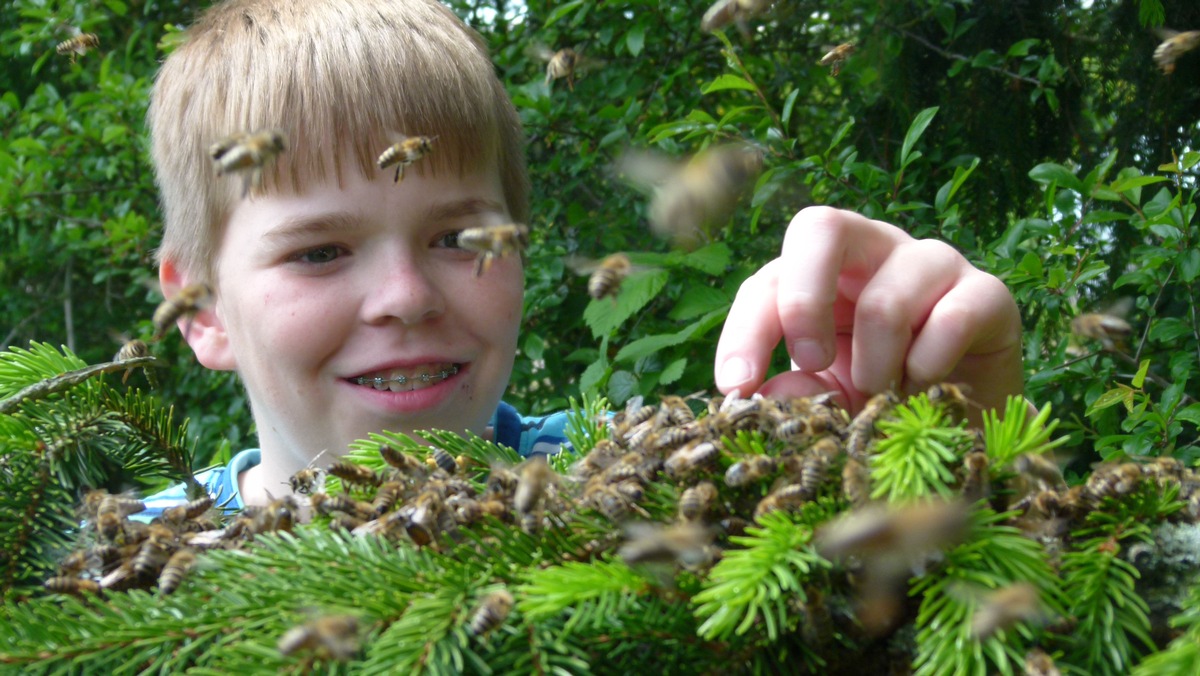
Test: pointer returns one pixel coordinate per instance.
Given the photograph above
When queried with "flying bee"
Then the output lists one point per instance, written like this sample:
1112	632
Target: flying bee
562	65
176	569
306	480
696	501
737	12
687	544
835	57
78	45
72	585
691	198
335	636
893	535
605	276
1002	608
494	241
405	151
355	475
535	475
1110	330
1174	45
751	469
190	300
247	154
493	610
976	483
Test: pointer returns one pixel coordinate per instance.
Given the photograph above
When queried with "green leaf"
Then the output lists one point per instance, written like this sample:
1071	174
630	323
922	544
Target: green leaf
727	81
915	130
562	11
635	39
697	300
711	259
651	344
592	375
1022	47
788	106
605	315
1140	378
1118	395
1190	414
1050	172
621	386
1123	184
113	132
672	372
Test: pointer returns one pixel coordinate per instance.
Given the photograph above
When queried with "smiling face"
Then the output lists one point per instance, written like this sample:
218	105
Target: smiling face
350	309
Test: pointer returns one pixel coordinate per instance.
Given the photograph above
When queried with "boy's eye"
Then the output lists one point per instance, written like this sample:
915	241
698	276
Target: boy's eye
449	240
318	255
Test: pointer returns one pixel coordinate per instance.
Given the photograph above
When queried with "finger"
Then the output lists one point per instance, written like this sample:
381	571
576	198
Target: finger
824	247
895	305
750	334
835	380
972	335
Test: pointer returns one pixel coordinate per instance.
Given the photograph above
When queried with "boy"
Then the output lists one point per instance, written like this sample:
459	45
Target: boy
346	306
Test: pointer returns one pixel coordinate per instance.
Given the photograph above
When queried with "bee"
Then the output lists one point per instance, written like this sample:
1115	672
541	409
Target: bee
690	459
1002	608
189	510
278	515
1174	45
976	484
562	65
1166	469
494	241
696	501
835	57
815	466
78	45
176	569
132	349
531	521
502	483
1038	663
389	494
405	151
738	12
614	500
1113	481
886	535
1109	329
535	475
493	610
248	154
155	551
444	460
1039	471
952	398
862	427
856	482
422	517
689	199
604	276
306	480
335	636
687	544
355	475
753	468
72	585
787	496
601	457
400	460
190	300
347	505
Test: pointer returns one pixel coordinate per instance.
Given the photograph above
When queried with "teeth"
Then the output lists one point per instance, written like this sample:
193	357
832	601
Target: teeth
398	383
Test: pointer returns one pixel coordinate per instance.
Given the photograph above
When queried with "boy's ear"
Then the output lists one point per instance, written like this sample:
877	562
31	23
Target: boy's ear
204	332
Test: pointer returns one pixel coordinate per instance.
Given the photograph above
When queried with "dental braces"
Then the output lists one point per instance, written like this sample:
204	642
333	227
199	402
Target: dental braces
424	378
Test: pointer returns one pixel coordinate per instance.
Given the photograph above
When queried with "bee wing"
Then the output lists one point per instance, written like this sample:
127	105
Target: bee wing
645	169
539	50
581	265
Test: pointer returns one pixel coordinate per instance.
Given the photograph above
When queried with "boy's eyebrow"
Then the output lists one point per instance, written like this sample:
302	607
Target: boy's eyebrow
464	207
297	227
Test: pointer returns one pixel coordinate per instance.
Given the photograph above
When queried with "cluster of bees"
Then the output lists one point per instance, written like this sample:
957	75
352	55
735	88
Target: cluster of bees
645	454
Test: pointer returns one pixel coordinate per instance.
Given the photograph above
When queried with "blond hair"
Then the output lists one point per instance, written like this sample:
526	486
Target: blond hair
334	75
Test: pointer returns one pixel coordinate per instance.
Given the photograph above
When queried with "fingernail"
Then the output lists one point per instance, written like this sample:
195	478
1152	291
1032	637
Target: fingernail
734	371
809	354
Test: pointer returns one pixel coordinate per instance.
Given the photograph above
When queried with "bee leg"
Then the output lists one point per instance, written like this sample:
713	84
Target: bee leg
399	172
483	263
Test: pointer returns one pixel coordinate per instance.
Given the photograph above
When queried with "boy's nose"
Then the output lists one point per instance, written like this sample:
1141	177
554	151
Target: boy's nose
405	293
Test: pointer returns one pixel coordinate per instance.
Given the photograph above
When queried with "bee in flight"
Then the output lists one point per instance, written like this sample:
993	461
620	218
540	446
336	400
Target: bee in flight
405	151
190	300
78	45
690	198
1174	45
835	57
605	276
562	64
247	153
738	12
494	241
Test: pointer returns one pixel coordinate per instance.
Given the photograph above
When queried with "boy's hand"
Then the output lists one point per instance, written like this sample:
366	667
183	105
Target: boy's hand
863	307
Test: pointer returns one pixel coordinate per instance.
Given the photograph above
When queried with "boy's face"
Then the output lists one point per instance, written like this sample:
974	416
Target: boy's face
321	294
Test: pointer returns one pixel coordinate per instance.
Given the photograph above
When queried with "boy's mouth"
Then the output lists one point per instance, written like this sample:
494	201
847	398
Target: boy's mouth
407	380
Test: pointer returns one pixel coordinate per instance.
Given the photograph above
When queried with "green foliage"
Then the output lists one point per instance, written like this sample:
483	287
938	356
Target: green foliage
1012	434
914	457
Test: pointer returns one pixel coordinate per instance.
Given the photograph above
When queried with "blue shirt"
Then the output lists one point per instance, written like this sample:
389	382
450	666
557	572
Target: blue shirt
527	435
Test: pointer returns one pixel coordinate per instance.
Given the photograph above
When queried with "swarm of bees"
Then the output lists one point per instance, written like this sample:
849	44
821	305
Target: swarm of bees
494	241
405	151
247	153
690	454
78	45
1174	45
689	199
